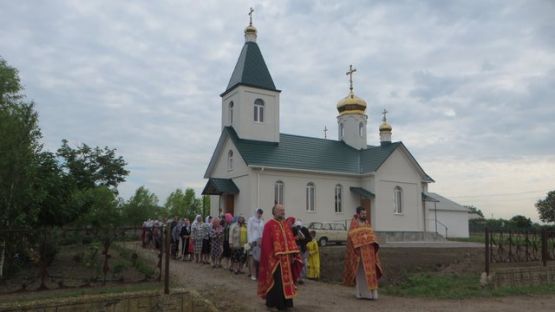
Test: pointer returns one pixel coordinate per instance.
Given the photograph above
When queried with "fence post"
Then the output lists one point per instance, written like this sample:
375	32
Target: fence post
167	261
544	247
487	250
160	252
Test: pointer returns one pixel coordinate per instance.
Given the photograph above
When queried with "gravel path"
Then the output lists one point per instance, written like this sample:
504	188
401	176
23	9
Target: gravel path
230	292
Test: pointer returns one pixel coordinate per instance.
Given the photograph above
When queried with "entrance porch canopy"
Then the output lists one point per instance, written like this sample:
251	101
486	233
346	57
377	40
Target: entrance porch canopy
217	186
364	193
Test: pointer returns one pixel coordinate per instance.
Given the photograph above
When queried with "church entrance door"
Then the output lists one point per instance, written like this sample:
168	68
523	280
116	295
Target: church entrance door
229	204
366	204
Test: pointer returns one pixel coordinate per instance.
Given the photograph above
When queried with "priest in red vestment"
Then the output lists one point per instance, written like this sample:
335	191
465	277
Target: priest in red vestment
362	264
279	254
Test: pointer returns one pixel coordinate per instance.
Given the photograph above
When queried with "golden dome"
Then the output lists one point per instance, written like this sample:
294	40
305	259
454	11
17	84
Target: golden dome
351	104
385	126
250	29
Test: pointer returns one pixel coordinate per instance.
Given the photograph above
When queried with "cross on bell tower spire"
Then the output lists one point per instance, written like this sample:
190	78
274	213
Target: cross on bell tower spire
350	74
250	16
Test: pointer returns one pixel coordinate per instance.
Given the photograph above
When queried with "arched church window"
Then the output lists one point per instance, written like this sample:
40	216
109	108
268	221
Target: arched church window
341	131
310	196
338	198
231	113
259	110
360	129
278	192
398	200
230	160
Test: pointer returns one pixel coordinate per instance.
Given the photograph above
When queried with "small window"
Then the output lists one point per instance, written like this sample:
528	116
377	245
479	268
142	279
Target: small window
278	192
259	110
310	197
341	131
338	198
316	226
231	113
361	129
230	160
398	200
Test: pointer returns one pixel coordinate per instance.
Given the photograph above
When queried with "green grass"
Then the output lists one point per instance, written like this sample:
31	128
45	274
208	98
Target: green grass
457	287
70	293
474	238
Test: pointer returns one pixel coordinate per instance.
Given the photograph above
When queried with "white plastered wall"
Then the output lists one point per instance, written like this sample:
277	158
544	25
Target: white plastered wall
455	221
397	170
239	175
243	113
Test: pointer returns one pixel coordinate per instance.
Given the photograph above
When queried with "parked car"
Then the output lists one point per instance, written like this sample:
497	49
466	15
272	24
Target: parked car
328	232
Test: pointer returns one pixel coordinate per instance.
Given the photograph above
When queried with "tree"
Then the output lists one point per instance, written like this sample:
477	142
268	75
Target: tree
205	205
140	207
546	207
184	204
472	209
91	167
521	222
19	145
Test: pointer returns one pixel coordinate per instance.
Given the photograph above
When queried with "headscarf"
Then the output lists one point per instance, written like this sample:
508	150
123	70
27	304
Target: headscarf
290	221
228	218
207	219
216	225
196	220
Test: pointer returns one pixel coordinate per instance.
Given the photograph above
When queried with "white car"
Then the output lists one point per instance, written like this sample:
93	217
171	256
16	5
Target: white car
327	232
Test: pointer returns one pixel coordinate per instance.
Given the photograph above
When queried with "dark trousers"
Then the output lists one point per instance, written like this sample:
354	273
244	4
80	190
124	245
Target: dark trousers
275	297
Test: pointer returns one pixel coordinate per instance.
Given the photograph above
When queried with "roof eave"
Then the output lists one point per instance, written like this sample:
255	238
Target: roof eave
246	85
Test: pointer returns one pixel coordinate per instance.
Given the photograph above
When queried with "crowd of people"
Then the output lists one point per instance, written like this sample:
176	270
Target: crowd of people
279	253
227	242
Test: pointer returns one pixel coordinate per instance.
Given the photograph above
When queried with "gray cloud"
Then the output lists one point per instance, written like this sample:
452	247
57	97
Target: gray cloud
464	81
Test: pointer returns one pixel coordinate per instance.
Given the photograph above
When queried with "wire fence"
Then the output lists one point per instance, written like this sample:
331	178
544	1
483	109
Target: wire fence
59	258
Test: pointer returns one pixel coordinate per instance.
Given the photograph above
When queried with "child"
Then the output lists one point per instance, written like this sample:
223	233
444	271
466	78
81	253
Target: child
313	258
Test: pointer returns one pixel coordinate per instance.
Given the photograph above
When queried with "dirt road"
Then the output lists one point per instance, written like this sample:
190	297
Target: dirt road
230	292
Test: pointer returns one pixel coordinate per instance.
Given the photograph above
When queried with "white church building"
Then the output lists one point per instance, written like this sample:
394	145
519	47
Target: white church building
255	166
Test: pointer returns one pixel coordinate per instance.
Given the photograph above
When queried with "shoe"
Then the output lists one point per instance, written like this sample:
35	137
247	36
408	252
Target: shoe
253	278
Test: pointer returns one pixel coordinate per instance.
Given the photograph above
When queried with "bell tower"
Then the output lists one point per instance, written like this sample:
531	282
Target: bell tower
250	103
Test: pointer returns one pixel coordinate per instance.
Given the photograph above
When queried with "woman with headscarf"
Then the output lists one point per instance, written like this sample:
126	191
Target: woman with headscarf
216	242
228	219
196	234
185	239
237	240
205	229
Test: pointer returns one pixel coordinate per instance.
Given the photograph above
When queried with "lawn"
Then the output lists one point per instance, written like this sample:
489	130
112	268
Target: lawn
463	286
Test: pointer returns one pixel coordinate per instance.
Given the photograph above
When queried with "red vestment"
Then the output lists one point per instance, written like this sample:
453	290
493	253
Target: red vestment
362	246
278	247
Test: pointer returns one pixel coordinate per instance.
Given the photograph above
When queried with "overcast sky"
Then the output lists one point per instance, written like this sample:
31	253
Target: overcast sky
470	85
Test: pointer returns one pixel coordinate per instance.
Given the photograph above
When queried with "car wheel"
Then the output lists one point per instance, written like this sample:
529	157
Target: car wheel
323	241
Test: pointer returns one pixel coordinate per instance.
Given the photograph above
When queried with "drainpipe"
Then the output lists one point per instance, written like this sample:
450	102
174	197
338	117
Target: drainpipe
258	187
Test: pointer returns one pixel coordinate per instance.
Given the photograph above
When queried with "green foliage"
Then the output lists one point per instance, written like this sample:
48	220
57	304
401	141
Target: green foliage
140	207
463	286
475	210
183	204
521	222
546	207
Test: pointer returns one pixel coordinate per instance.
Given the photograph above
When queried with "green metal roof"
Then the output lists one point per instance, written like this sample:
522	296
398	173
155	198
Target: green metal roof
362	192
251	70
216	186
299	152
428	198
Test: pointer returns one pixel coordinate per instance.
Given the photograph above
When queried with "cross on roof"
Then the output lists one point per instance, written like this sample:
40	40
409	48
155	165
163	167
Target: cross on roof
250	16
325	132
384	113
350	74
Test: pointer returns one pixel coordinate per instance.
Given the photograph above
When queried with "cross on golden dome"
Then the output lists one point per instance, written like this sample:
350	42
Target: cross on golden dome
350	74
250	16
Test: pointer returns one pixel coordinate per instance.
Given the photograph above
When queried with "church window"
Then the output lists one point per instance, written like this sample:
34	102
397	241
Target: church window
230	160
361	129
341	131
310	197
278	192
338	198
259	110
231	113
398	200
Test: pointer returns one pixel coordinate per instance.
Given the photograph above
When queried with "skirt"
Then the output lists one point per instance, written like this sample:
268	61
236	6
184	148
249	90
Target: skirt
206	246
227	250
198	246
238	255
